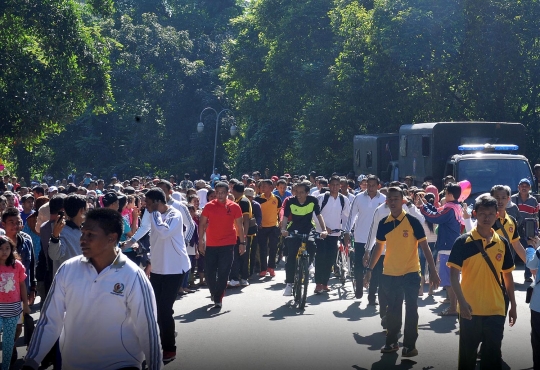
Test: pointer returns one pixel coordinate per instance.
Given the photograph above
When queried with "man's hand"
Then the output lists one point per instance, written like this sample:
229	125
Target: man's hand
26	309
323	235
367	278
464	211
365	260
148	269
512	315
465	310
434	280
31	297
202	247
242	249
58	227
346	239
285	233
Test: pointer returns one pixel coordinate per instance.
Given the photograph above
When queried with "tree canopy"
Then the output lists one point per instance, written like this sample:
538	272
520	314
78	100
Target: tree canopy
116	87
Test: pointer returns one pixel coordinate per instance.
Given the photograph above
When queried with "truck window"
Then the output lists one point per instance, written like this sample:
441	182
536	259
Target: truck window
403	146
369	159
485	173
426	146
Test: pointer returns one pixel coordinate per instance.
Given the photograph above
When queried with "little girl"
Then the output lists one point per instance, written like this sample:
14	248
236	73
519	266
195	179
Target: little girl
12	292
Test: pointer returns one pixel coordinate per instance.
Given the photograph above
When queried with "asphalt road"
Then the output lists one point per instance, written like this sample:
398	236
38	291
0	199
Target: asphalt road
257	329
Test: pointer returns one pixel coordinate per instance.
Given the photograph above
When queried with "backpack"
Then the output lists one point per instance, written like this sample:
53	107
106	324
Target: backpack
327	196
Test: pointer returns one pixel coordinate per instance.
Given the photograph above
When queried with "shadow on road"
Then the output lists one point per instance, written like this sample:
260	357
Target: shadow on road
276	286
204	312
374	341
445	324
428	301
355	313
388	361
288	310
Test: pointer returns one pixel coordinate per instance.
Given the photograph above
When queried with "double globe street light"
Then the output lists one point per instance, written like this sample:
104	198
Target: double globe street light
233	130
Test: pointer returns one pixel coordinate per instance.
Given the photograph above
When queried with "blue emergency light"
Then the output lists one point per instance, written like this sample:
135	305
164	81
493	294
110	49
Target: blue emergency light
494	147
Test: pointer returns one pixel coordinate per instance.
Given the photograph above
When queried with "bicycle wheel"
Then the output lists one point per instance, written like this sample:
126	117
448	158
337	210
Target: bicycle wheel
297	286
342	267
304	270
346	268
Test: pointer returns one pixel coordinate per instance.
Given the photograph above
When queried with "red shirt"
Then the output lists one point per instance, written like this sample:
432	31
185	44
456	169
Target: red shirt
221	231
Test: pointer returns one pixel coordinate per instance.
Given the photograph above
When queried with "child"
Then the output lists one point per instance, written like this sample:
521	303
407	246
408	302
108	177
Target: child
12	292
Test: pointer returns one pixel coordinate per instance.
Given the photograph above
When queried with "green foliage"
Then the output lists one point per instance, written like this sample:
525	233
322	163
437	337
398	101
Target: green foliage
301	77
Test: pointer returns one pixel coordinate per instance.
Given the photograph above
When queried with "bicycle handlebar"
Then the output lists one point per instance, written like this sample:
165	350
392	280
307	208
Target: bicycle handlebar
295	234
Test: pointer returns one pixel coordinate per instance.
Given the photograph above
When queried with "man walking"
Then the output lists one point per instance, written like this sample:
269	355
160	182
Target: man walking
360	217
268	232
169	262
403	234
480	293
218	225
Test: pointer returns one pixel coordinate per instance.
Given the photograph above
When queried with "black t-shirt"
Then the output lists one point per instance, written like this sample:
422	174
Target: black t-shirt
302	214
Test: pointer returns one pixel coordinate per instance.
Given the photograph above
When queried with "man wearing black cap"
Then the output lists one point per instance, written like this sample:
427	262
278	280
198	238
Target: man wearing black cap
27	203
186	183
528	208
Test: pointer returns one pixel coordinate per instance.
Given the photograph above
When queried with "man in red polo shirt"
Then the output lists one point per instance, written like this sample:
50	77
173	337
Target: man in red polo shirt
219	221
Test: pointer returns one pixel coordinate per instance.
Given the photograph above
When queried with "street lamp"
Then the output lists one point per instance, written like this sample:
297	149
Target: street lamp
200	128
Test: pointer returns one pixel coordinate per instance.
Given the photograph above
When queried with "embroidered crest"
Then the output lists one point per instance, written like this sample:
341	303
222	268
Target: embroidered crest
405	233
499	257
118	289
511	229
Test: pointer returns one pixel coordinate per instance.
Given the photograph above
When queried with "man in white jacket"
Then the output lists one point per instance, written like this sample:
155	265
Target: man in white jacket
169	261
121	331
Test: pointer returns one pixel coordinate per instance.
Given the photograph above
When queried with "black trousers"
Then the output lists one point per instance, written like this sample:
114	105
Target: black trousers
374	283
293	244
535	338
396	288
218	262
485	329
359	249
326	257
166	289
268	240
240	265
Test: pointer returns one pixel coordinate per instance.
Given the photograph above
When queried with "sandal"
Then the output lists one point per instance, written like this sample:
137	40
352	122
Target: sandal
447	312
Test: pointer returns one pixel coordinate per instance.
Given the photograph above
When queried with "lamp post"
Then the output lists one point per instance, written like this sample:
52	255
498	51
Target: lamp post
200	128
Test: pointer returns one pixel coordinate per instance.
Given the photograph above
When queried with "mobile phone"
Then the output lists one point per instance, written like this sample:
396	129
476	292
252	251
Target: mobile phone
530	228
60	214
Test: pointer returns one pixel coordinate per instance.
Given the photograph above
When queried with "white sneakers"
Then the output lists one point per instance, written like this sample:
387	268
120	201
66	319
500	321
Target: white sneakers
244	282
234	283
288	290
311	270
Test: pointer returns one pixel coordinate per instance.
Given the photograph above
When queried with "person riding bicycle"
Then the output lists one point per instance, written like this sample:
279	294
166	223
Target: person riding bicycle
335	208
301	207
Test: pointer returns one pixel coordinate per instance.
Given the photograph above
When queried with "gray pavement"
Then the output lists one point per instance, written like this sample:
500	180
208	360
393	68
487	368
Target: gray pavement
256	329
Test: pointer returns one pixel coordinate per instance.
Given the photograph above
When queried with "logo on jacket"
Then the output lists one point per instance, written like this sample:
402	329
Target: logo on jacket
118	289
511	229
405	233
499	256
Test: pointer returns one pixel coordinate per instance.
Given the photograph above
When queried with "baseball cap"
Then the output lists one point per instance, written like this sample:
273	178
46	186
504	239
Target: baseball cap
52	188
361	177
525	181
287	176
109	198
27	196
275	178
249	192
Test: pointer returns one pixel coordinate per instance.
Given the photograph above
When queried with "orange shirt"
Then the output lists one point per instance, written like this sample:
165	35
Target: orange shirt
220	230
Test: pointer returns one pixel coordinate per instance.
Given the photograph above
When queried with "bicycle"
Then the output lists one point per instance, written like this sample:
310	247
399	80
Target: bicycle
301	275
344	262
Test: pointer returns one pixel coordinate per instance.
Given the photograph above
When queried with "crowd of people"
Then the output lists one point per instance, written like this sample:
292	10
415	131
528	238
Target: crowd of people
136	245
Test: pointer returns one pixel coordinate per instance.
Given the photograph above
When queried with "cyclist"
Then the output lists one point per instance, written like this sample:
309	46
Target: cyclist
301	207
335	210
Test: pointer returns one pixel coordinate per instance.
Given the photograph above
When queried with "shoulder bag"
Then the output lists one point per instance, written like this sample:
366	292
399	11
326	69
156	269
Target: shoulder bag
480	247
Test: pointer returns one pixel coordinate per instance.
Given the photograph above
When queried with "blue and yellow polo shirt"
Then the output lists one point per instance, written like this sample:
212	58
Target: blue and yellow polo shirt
478	283
401	235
